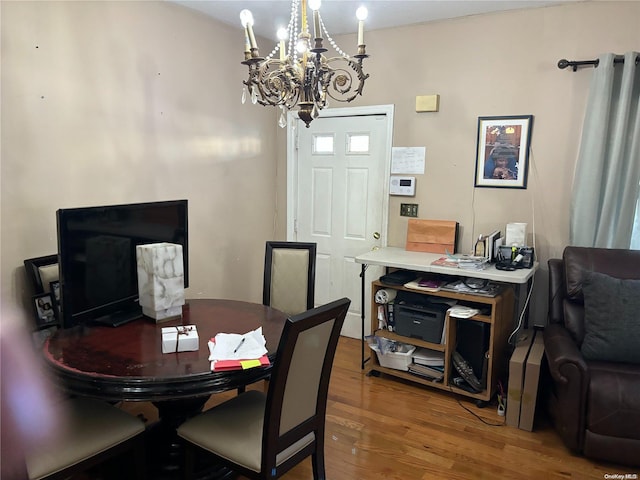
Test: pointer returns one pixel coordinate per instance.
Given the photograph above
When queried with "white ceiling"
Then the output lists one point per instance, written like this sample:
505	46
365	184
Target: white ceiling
339	15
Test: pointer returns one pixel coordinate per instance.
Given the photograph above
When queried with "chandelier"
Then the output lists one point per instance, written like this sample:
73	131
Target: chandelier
301	75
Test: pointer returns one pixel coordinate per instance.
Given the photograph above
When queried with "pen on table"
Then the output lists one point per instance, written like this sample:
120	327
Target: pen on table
239	345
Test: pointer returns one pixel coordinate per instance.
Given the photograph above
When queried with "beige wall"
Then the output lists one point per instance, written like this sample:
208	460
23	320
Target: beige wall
495	65
126	101
117	102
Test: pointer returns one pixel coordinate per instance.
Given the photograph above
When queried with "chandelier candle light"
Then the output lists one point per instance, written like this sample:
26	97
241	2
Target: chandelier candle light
302	75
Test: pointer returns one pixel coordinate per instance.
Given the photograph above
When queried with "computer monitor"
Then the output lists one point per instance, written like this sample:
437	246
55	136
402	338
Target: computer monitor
97	256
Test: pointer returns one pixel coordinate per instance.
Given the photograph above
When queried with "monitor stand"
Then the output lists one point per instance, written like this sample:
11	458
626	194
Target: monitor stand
116	319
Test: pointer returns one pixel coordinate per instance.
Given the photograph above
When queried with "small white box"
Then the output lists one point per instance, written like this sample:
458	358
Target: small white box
399	360
183	338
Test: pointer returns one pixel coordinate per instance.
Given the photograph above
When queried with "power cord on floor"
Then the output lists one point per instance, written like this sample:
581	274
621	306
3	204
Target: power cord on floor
476	415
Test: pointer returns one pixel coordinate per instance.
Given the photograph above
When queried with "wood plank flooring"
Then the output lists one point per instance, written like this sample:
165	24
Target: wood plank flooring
384	428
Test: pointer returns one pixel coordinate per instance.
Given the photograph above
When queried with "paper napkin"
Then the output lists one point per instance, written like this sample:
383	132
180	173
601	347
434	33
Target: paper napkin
236	347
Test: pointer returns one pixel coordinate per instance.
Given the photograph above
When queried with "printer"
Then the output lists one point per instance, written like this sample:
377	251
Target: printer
419	316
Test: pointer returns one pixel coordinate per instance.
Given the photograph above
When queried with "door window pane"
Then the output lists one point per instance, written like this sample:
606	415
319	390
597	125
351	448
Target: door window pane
323	144
358	143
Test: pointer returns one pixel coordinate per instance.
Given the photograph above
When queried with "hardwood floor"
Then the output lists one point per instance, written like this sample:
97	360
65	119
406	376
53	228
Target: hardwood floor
383	428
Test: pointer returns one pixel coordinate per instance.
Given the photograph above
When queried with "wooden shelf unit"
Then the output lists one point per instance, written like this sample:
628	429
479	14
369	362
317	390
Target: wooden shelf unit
501	307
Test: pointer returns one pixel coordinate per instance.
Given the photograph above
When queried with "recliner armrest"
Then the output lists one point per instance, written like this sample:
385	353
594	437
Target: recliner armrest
571	377
566	362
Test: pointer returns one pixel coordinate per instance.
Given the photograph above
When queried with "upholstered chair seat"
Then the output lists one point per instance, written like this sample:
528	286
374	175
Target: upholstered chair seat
239	424
94	431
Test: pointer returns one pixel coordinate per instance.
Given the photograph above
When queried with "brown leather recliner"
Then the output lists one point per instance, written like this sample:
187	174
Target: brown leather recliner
595	405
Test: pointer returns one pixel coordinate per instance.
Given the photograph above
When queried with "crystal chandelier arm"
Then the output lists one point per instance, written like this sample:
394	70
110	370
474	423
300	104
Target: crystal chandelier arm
342	82
275	83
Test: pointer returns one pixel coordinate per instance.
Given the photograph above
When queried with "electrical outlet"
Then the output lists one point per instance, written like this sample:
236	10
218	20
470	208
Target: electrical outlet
408	209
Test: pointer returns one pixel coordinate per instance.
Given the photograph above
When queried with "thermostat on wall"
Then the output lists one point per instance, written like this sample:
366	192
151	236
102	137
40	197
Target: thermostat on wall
405	186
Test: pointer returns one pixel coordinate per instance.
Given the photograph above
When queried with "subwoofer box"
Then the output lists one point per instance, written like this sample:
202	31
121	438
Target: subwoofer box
472	342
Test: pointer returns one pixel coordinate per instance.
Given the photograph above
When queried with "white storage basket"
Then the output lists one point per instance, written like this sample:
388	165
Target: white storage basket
399	360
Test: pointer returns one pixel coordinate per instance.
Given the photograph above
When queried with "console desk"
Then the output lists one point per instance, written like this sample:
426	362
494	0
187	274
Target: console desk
399	258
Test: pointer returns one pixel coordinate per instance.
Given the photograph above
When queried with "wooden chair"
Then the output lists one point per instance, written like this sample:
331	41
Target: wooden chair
40	271
263	436
90	432
289	276
95	432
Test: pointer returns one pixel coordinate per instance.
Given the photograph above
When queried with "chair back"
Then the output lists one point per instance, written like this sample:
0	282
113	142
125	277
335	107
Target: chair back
289	276
566	276
297	396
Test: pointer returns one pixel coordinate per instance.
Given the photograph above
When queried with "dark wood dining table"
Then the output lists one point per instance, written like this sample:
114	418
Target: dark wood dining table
126	363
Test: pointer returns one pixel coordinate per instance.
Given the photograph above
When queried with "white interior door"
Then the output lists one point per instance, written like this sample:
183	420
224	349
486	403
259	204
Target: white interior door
340	193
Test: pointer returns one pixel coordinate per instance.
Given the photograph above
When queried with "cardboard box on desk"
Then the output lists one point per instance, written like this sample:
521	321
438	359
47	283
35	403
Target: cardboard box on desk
183	338
432	236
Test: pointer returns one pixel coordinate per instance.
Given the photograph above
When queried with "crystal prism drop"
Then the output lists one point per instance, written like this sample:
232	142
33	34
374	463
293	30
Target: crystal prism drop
244	95
254	96
282	121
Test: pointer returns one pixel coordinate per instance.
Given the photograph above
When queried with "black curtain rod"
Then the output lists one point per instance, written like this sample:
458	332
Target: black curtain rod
574	64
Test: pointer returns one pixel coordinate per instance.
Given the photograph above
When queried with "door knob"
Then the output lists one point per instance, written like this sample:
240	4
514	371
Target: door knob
376	235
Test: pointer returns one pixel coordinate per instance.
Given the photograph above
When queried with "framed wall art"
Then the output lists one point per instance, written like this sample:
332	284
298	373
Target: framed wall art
502	155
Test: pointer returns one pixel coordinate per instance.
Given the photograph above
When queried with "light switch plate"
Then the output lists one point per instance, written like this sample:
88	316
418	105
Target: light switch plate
408	209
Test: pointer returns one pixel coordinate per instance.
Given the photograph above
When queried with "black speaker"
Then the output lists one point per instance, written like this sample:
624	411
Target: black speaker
472	342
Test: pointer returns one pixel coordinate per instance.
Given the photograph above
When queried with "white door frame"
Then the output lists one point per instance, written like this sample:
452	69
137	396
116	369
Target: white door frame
292	163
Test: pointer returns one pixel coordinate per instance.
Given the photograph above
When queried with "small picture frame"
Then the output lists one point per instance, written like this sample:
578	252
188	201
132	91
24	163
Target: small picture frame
502	155
45	310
